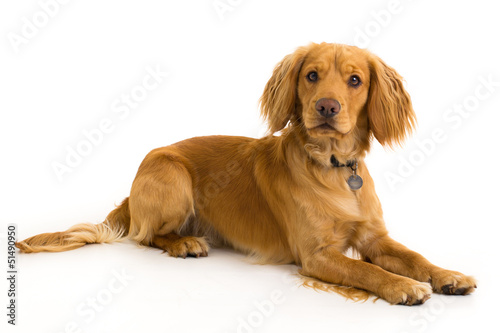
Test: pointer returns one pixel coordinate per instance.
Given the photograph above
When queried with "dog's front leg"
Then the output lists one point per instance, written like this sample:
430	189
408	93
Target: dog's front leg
330	265
396	258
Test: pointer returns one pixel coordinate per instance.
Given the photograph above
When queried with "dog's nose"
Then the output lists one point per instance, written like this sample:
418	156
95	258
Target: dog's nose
328	107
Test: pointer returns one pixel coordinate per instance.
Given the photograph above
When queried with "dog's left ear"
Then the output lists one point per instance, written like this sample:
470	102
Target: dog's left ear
390	111
279	100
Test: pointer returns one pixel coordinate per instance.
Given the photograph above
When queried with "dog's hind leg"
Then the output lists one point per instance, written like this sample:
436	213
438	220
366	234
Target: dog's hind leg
178	246
161	201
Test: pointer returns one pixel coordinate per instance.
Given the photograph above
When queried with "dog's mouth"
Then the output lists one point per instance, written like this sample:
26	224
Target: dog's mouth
326	128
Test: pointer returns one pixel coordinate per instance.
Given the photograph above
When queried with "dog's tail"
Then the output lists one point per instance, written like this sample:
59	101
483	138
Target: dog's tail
115	227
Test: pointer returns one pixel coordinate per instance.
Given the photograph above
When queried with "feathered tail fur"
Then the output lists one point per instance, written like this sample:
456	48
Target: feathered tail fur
115	227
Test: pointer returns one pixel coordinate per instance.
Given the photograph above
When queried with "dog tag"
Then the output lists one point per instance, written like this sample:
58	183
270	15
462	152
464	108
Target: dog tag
355	182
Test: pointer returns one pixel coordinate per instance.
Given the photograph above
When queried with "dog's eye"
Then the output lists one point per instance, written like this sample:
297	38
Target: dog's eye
354	81
312	76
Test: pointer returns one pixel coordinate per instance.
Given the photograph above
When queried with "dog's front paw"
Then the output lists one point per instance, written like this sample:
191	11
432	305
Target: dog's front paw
452	283
406	291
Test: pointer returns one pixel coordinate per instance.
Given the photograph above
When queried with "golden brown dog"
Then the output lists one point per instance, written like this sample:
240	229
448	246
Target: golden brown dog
292	198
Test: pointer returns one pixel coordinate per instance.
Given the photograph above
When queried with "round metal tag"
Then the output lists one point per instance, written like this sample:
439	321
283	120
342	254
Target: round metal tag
355	182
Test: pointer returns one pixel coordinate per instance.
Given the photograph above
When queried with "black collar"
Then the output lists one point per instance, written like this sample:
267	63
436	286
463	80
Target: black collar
337	164
354	181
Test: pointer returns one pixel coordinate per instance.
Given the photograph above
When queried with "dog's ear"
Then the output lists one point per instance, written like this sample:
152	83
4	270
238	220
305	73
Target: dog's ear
390	111
279	100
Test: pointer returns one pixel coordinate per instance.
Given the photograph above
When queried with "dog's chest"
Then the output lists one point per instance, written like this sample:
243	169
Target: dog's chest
328	198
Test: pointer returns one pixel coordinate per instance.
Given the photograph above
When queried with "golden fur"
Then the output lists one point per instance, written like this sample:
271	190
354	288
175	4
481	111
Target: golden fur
279	198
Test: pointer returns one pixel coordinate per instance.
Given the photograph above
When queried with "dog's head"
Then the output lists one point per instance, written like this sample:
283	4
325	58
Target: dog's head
335	90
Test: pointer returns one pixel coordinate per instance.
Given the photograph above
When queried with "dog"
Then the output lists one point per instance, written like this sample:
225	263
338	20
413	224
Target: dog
302	196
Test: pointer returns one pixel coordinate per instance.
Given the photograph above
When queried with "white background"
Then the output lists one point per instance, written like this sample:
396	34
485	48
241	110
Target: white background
65	78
